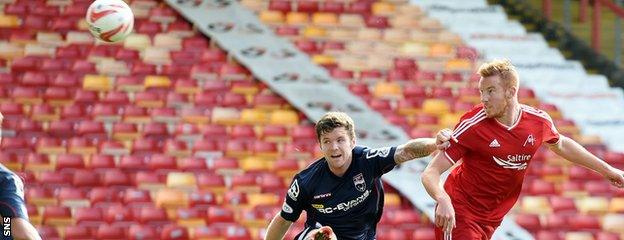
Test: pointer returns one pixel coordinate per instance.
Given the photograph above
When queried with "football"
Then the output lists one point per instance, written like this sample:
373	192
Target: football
110	20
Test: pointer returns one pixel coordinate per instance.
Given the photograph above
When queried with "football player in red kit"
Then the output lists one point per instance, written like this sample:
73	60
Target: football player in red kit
491	147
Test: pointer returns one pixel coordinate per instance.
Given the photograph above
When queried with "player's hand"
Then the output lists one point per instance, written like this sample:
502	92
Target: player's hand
323	233
615	177
445	214
442	138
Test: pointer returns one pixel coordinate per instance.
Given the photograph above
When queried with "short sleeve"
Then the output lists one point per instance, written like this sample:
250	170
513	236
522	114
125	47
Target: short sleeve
455	151
381	160
294	201
550	133
461	134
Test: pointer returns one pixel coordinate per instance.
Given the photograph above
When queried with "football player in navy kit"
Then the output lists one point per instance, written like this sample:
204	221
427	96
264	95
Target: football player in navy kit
343	190
12	206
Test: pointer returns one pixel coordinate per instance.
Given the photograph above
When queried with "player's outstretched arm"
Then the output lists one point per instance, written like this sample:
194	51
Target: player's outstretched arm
445	214
277	228
421	147
574	152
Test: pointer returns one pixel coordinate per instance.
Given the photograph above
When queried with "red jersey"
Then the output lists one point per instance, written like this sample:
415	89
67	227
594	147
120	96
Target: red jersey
495	158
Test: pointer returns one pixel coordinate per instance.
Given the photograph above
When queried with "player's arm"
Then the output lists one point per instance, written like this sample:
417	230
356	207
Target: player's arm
277	228
574	152
421	147
445	214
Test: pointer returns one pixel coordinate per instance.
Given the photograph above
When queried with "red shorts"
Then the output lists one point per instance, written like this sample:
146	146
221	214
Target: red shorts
467	229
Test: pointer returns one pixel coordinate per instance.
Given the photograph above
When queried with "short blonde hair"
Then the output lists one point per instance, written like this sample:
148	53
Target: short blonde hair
505	71
333	120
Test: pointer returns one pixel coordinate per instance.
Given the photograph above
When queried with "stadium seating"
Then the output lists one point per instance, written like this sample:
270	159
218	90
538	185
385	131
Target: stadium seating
164	135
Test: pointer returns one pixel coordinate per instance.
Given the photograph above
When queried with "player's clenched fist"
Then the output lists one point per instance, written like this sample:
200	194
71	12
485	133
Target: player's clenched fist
443	137
445	214
323	233
615	177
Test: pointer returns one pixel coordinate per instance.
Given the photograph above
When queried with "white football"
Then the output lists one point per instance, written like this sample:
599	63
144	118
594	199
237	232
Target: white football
110	20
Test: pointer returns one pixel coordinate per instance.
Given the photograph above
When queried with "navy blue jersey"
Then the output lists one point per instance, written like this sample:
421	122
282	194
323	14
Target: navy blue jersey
12	195
352	204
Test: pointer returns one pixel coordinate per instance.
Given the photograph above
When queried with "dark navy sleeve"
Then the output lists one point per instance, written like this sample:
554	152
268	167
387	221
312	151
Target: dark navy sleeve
380	160
294	201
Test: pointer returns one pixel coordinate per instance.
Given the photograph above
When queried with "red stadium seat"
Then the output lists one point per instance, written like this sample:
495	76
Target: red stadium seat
152	216
85	178
110	232
193	164
136	198
69	161
104	196
78	232
171	232
424	234
57	216
529	222
141	232
115	178
88	216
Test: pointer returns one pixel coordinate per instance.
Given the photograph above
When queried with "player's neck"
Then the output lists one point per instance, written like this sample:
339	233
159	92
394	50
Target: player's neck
339	172
511	115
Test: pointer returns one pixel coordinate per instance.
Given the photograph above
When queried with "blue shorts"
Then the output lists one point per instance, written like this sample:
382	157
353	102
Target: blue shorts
12	196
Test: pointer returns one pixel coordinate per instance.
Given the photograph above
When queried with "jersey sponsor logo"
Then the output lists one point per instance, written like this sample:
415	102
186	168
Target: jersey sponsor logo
286	208
343	206
293	191
378	152
494	144
517	162
530	140
359	182
318	206
324	195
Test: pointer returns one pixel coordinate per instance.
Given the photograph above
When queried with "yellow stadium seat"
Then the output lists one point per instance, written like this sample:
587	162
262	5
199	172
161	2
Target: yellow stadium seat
50	38
225	116
272	17
314	32
613	223
617	205
322	59
35	49
262	199
137	41
380	62
370	34
410	9
74	37
449	120
440	50
536	205
324	19
430	24
181	180
156	56
254	164
387	90
297	18
435	106
414	48
405	22
96	83
171	198
352	62
461	65
9	21
156	82
284	117
578	236
254	5
351	20
392	199
396	35
254	116
10	50
112	68
249	88
383	8
592	205
168	41
340	34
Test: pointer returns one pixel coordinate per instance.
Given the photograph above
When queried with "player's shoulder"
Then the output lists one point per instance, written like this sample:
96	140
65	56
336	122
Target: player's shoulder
536	113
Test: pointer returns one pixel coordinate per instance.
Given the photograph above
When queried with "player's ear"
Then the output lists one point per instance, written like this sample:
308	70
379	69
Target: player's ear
511	92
